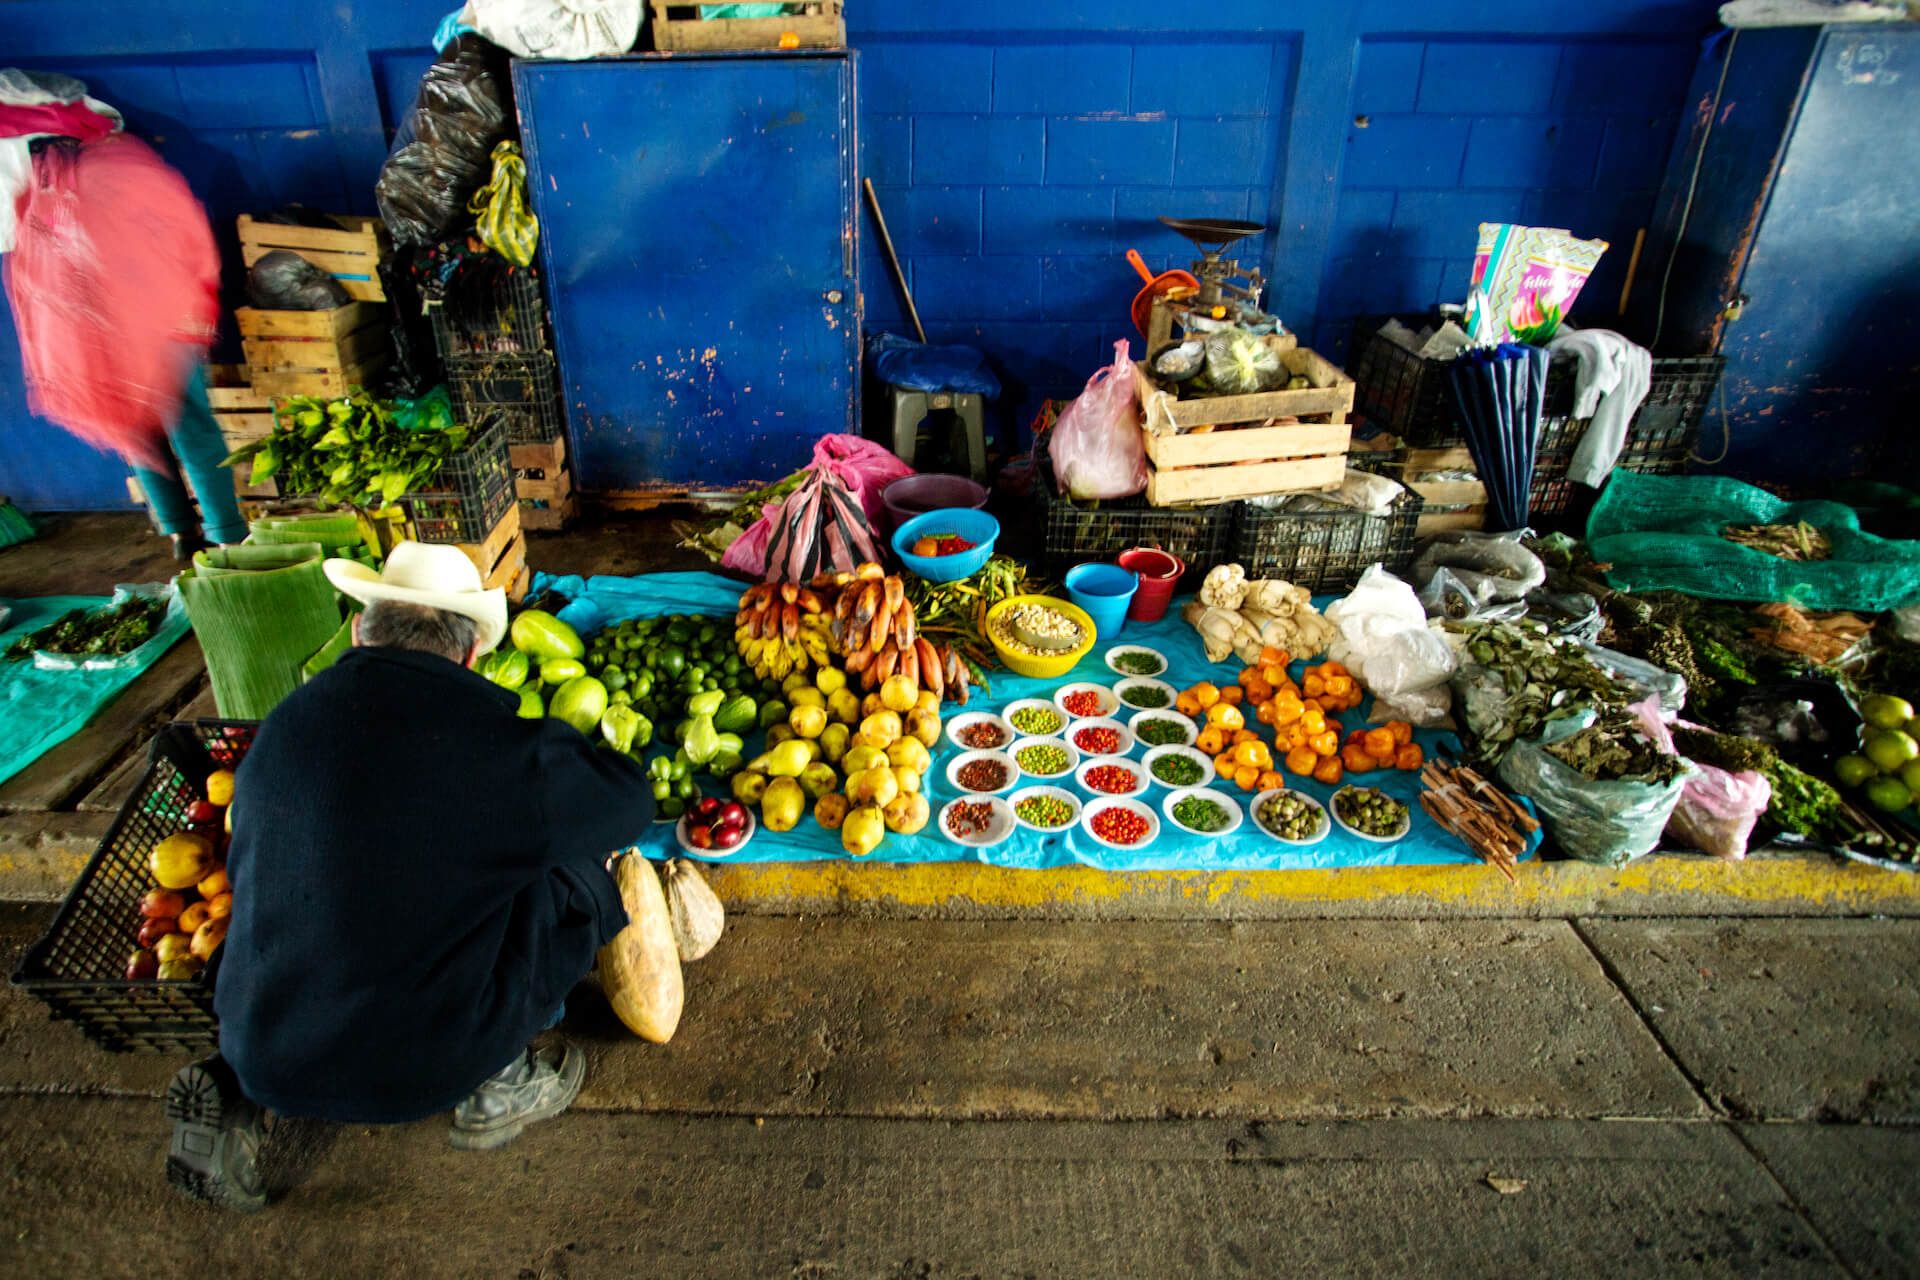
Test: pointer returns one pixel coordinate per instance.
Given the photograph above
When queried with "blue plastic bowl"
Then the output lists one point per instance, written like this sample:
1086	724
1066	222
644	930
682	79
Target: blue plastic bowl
976	527
1104	591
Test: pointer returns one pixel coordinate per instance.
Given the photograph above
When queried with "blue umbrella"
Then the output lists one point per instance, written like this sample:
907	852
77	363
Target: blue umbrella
1500	392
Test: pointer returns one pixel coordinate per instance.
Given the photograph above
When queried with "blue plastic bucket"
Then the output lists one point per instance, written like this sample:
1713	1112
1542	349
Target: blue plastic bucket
1104	591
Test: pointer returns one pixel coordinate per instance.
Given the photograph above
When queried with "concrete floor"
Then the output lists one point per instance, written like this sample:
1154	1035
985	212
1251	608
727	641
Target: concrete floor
887	1073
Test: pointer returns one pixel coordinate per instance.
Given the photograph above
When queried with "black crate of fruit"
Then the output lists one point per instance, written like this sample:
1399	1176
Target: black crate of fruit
506	317
1324	550
470	492
524	390
1400	391
78	970
1073	532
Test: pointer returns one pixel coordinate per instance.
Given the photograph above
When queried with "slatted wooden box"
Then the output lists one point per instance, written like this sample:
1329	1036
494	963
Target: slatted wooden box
678	28
314	353
546	498
351	255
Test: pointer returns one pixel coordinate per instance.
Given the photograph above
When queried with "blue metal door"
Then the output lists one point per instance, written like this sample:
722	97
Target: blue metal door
697	233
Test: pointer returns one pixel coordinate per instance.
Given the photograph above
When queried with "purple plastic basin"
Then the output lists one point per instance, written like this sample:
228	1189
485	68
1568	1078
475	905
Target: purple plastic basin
910	496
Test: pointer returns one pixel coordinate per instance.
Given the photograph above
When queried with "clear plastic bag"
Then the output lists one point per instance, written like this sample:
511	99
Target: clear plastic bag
1385	641
1096	447
172	623
1476	576
1609	823
441	154
1644	678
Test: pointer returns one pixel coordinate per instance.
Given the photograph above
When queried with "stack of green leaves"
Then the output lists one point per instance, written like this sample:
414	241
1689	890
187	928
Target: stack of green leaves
356	449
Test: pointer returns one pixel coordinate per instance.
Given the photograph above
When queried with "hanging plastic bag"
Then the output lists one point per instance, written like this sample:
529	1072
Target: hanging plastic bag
1644	678
504	222
440	153
563	29
1595	820
1385	641
1096	447
821	528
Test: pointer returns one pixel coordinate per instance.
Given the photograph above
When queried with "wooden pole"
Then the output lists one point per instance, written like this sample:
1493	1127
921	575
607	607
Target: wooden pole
893	259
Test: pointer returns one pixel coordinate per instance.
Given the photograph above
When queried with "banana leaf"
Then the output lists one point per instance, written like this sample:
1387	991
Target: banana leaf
260	612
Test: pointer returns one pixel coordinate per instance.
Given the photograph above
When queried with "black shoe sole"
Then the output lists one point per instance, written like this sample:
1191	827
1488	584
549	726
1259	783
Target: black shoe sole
197	1105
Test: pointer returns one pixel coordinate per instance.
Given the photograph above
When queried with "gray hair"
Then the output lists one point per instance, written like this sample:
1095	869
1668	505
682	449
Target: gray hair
391	624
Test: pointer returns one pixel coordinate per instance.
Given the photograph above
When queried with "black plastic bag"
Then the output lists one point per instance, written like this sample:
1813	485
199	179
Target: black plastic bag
285	281
442	151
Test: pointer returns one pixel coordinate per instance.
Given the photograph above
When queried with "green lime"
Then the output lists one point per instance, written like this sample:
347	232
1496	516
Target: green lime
1890	795
1884	711
1853	771
1890	749
1910	775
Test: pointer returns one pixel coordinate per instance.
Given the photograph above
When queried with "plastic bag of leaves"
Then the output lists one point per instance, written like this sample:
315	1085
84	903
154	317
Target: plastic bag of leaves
1602	788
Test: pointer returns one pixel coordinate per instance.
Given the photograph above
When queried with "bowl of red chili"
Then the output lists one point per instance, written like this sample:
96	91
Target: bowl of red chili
1119	823
967	537
1100	736
1111	776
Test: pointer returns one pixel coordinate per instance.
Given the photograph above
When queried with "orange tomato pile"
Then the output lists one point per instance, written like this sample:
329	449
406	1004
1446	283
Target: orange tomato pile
1306	739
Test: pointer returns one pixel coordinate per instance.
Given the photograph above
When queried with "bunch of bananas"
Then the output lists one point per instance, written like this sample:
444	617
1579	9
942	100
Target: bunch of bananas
781	628
873	628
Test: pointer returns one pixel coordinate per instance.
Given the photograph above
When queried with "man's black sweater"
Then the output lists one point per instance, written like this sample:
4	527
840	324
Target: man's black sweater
418	880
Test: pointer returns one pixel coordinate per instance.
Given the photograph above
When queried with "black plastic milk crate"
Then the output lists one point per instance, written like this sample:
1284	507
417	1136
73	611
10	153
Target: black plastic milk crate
524	390
1073	532
78	970
1396	390
1324	550
511	320
470	492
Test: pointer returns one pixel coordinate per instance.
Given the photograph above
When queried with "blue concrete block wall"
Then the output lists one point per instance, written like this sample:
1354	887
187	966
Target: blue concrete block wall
1019	146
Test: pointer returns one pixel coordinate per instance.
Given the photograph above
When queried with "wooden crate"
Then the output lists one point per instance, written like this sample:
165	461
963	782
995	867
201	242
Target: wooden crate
243	414
351	255
501	557
546	503
1243	446
677	28
314	353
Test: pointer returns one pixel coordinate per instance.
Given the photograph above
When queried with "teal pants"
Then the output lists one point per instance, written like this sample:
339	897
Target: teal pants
198	451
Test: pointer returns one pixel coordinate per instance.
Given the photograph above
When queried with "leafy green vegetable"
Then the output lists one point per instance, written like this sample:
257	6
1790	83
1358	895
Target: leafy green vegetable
1801	803
120	629
357	449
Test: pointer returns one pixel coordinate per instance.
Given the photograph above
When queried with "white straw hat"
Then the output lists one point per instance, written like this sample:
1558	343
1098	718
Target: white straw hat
430	574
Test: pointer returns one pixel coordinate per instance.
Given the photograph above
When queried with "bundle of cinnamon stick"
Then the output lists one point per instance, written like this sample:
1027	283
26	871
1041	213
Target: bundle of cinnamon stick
1484	817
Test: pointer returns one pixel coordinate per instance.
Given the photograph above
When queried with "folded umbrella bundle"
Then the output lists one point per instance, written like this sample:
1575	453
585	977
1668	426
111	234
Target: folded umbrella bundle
1500	393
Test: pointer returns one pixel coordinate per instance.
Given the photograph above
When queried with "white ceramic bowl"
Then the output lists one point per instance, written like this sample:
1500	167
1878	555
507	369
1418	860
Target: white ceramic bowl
1041	704
999	826
1120	649
1133	767
1226	802
1264	796
1123	736
965	758
1186	726
1109	701
961	723
1058	793
1096	807
1406	822
680	834
1207	771
1124	687
1021	744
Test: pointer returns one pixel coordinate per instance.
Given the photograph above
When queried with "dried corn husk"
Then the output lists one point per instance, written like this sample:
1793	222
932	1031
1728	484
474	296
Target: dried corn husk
640	968
693	909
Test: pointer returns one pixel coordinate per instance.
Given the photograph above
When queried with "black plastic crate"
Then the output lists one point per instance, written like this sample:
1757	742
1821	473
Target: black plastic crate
1398	391
505	315
1072	532
1325	550
78	970
1666	427
472	490
523	390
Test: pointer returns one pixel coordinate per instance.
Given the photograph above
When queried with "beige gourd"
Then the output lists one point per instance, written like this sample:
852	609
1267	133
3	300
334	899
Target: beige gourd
693	909
640	968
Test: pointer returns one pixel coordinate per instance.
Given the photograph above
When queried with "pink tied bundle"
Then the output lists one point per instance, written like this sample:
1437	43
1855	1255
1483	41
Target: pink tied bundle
828	522
115	286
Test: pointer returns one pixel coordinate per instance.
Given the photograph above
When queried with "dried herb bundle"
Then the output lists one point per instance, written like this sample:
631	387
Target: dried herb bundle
1798	541
1801	803
1541	678
1612	749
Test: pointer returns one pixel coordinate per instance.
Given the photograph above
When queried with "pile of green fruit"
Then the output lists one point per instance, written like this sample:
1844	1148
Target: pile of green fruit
1887	767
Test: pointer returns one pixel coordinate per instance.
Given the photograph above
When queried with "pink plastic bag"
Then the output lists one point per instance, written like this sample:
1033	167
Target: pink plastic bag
864	467
115	292
1717	810
1096	447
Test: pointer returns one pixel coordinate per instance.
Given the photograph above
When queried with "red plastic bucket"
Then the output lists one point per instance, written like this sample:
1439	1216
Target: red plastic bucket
1159	572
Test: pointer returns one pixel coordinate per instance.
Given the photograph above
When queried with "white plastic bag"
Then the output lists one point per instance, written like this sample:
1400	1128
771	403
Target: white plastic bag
1096	447
568	29
1385	641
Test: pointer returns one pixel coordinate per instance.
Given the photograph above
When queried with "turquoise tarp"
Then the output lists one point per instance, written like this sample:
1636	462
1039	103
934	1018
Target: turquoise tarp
602	600
42	709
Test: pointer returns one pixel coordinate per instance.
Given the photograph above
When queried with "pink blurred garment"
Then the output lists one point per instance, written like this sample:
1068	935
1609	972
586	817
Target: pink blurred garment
114	285
60	119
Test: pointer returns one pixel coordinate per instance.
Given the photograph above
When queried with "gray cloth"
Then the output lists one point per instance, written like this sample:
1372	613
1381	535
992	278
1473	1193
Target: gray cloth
1613	377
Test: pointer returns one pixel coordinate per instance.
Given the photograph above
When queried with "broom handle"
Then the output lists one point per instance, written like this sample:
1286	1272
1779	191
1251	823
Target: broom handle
893	259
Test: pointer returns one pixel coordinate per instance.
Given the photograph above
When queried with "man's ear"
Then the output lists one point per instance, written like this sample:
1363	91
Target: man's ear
354	631
473	655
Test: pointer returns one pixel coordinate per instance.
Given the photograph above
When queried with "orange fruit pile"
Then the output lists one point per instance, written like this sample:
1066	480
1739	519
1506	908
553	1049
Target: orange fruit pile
1387	746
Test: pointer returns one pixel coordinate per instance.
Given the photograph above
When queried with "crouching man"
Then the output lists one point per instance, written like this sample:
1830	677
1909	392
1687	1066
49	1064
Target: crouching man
419	878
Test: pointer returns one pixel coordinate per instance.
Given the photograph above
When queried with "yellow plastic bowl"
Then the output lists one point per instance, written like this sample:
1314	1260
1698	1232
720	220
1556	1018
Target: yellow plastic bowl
1042	668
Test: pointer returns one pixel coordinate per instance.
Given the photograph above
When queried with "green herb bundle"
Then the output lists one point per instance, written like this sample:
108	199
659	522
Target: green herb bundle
1536	678
1801	803
93	632
352	450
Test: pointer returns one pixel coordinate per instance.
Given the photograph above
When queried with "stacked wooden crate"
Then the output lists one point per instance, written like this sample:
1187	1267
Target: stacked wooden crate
244	415
679	28
319	353
501	557
1450	504
1222	447
543	484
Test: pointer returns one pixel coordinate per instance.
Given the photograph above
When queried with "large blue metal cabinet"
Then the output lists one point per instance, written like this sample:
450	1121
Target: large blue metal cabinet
1787	239
697	232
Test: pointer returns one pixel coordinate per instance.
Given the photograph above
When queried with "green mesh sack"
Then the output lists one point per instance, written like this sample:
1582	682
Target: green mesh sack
260	613
1662	533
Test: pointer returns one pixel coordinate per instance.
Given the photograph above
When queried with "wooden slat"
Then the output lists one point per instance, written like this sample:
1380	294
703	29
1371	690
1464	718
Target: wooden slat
259	322
362	235
548	456
1448	521
1458	458
488	553
1200	484
243	428
69	769
319	384
290	355
824	29
119	784
557	486
1331	393
506	572
1248	444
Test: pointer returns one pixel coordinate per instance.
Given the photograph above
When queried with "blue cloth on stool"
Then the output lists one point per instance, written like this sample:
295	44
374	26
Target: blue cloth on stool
914	366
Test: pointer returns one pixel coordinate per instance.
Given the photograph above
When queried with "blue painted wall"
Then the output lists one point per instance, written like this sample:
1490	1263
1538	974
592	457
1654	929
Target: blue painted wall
1020	146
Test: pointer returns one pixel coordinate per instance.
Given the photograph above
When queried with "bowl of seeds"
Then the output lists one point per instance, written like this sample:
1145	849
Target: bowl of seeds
980	731
1035	718
1371	814
1045	808
983	772
1202	811
1027	632
978	822
1044	757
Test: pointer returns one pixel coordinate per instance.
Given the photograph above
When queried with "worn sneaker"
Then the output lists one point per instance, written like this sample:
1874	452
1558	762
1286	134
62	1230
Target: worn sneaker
217	1133
538	1085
